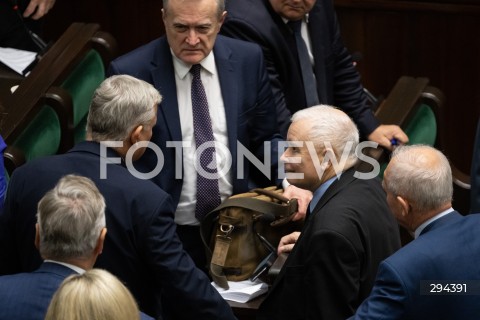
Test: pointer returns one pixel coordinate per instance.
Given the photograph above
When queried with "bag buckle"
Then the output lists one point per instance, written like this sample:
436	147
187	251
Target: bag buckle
226	229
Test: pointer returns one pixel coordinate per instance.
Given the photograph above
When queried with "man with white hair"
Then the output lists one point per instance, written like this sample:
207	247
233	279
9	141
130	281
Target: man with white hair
436	276
350	230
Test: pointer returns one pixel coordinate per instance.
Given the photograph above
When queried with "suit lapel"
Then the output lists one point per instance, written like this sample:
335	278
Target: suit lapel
228	79
163	75
346	178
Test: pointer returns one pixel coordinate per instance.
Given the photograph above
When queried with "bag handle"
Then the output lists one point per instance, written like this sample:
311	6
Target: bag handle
283	212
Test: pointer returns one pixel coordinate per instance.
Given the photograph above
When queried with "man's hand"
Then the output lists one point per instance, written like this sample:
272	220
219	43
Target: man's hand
385	134
287	242
40	7
303	197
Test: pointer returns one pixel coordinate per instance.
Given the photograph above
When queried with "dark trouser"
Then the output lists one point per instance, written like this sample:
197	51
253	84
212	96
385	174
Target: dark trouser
193	245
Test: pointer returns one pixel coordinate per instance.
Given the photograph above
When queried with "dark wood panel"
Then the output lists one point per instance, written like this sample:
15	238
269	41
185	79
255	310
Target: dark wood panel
132	23
438	41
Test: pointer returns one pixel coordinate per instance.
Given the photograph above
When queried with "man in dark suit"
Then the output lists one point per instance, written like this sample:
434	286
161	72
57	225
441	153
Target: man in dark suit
69	235
141	248
436	276
266	22
240	107
333	261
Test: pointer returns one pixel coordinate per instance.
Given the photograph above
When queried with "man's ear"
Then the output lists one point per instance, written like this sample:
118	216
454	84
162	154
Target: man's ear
406	208
222	19
328	154
100	241
37	236
135	135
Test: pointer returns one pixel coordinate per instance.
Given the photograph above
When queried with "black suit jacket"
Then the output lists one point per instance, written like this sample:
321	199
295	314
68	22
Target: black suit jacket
141	247
338	82
332	267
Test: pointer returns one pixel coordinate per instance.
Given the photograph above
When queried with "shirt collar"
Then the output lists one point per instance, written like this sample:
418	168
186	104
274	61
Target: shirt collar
420	228
68	265
182	69
317	195
305	19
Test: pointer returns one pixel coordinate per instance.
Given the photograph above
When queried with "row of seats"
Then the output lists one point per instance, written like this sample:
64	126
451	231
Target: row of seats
60	88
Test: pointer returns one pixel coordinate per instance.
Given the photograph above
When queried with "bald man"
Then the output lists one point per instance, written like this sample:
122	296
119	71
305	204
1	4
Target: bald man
436	276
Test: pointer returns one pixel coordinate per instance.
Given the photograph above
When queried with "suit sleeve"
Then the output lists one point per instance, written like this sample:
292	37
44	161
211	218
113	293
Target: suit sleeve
387	299
240	29
264	126
176	273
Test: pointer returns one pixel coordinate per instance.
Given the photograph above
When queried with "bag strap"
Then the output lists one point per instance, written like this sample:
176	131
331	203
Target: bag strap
283	211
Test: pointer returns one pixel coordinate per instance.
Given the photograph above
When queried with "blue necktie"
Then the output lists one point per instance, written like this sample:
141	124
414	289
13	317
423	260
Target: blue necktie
309	83
208	195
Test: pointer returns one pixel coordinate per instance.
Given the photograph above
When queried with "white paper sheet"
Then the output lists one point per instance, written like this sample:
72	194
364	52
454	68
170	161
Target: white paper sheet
17	60
242	291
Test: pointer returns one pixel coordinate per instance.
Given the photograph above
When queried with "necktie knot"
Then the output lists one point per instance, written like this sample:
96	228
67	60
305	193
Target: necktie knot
195	70
296	26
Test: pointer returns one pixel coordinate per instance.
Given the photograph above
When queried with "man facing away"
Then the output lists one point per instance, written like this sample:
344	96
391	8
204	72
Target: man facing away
333	261
237	110
141	248
69	235
436	276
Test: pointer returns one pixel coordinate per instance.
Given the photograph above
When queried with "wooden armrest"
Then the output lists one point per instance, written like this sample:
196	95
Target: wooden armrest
460	178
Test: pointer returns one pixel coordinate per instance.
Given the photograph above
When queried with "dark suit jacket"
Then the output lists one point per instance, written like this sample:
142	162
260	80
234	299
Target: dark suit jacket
448	249
27	295
332	266
247	97
475	174
141	247
338	82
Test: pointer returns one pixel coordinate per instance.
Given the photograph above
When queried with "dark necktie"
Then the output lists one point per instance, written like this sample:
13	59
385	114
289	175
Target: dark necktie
208	195
309	83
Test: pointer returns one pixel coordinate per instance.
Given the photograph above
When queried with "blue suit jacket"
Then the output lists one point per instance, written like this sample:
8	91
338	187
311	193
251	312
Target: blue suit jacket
247	97
338	82
448	249
27	295
141	247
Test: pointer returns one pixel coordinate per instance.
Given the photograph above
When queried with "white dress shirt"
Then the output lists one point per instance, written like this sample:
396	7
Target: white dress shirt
185	214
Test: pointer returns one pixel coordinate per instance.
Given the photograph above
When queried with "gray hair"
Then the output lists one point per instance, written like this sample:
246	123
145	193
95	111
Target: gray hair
423	180
220	7
120	104
70	218
331	125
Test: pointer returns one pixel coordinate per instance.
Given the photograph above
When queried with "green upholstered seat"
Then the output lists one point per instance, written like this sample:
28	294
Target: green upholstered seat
422	128
81	84
41	137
